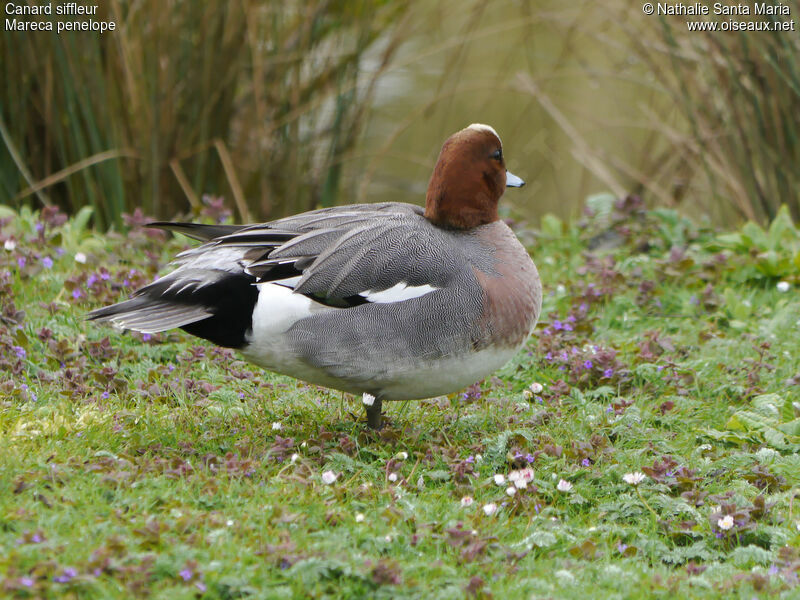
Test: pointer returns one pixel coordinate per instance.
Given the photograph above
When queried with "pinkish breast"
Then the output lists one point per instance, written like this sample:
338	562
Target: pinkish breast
512	292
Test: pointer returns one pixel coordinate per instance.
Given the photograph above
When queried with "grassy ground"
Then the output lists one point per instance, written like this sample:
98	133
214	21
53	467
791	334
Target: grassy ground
136	466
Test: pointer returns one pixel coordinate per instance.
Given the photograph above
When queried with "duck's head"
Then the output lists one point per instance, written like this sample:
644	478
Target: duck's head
468	179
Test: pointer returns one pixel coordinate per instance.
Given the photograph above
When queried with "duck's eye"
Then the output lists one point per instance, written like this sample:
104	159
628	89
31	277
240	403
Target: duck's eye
496	155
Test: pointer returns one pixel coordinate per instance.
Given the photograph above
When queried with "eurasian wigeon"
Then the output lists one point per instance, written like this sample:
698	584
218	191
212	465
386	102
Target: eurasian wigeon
385	300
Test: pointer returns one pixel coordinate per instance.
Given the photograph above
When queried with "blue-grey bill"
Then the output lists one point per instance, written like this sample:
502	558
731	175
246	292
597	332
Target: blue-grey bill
513	181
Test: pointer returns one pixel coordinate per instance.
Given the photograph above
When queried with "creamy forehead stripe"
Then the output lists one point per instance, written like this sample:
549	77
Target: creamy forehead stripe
482	127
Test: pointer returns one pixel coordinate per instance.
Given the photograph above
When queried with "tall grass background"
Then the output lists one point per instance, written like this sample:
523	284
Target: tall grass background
283	107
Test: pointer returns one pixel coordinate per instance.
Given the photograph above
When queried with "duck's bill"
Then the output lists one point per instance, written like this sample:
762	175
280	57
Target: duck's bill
513	181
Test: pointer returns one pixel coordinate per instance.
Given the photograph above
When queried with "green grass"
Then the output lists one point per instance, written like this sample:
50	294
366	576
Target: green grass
134	467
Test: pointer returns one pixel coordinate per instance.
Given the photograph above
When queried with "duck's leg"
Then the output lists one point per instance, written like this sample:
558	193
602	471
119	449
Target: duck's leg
373	405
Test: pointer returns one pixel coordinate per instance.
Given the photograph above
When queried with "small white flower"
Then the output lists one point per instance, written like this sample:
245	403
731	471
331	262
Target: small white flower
634	478
527	394
725	523
328	477
561	289
294	457
537	387
511	490
782	286
520	484
276	426
388	538
524	475
797	524
565	576
229	523
80	257
500	479
359	517
401	455
368	399
563	485
478	458
489	509
10	245
392	477
467	501
304	445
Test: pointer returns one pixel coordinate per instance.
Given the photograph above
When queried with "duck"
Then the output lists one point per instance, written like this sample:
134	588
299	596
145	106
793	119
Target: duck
387	301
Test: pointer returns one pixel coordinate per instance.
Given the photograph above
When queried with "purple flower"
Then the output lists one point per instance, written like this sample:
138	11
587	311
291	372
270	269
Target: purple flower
608	373
530	458
660	368
105	395
622	547
773	570
564	355
125	283
567	327
91	280
26	581
170	368
146	337
583	307
585	462
186	574
571	319
105	275
40	227
37	538
19	351
60	251
548	356
76	293
557	325
547	331
588	364
47	262
66	576
21	262
470	459
200	586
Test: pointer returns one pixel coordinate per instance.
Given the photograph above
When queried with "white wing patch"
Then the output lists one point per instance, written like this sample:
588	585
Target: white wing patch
398	292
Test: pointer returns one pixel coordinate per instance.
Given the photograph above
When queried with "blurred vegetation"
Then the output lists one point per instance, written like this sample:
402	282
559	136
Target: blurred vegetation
283	107
247	99
739	95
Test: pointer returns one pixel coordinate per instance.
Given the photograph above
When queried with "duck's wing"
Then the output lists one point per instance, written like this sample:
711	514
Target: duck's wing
349	255
197	231
340	257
